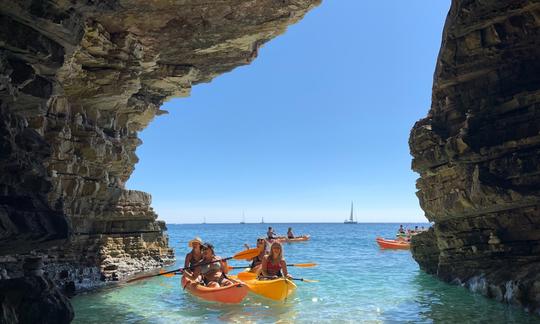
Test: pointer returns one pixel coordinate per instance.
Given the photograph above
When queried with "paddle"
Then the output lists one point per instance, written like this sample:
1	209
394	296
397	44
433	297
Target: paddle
243	255
301	265
251	276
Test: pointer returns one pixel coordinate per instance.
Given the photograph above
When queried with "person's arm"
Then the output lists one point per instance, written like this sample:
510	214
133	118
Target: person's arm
263	266
188	258
284	268
224	266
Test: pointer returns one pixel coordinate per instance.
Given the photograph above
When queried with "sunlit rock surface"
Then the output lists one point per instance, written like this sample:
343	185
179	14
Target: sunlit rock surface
78	81
478	153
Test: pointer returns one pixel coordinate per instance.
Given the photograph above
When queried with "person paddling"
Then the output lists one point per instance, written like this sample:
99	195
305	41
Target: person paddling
290	234
195	255
257	261
273	264
271	234
212	269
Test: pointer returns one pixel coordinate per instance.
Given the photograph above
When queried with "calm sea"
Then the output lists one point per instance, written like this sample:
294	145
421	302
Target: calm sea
358	282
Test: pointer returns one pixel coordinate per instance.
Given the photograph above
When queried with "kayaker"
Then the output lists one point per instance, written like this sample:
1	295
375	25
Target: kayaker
257	261
290	234
212	270
270	234
195	255
273	264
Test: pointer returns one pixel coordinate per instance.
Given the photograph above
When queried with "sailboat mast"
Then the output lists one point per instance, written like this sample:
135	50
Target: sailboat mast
351	211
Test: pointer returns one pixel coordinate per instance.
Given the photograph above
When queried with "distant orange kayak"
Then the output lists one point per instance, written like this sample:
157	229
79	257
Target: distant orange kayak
392	244
233	294
296	239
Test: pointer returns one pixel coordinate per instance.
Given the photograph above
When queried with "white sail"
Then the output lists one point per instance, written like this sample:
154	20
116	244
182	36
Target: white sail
351	217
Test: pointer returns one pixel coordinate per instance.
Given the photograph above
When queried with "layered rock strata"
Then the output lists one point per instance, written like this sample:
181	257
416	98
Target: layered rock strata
478	153
78	81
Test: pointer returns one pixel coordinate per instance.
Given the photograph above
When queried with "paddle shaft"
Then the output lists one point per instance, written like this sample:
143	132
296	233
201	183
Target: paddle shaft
180	269
303	265
291	278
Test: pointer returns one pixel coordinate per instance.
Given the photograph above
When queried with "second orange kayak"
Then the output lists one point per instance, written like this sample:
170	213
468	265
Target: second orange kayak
233	294
392	244
296	239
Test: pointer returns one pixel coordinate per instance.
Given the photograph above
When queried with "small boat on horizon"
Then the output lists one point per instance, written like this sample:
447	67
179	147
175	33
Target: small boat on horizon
243	219
262	220
351	219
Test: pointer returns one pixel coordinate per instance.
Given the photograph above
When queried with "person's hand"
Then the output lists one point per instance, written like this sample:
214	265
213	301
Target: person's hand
289	276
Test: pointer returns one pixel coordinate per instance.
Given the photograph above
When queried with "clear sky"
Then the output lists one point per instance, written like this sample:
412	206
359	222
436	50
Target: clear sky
321	118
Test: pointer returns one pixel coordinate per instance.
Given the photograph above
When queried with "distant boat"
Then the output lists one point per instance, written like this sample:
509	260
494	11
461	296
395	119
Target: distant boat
204	220
243	219
351	219
262	220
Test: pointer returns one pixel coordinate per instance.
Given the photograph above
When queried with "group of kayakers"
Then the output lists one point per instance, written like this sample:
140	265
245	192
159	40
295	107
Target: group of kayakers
406	234
271	235
202	264
269	263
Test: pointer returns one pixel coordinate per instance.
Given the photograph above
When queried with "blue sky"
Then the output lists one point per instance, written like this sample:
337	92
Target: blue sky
321	118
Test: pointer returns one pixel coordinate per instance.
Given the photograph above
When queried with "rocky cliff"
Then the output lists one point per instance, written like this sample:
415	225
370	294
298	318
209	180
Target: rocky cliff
478	153
78	81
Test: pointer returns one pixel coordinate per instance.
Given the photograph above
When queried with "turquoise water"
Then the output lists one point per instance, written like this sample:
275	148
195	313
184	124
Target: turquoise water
358	283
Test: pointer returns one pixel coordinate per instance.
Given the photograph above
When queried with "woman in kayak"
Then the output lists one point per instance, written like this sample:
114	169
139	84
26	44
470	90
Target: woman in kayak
212	269
195	255
290	234
273	264
257	261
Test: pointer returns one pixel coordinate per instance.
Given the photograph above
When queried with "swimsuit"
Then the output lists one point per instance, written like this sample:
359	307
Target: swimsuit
212	267
273	269
256	261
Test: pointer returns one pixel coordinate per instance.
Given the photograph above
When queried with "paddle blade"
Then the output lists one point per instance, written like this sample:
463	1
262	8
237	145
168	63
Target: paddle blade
302	265
247	276
247	254
166	274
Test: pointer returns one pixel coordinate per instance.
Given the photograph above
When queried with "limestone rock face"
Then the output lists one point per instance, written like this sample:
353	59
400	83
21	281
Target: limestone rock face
478	153
78	81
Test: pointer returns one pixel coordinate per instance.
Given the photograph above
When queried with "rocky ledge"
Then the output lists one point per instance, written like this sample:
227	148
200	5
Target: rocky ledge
478	153
78	81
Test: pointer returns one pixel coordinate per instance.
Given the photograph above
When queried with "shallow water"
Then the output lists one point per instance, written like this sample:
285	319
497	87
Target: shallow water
358	283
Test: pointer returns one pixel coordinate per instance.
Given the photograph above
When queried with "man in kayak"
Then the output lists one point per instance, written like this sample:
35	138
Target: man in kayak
401	236
212	269
273	264
270	234
290	234
195	255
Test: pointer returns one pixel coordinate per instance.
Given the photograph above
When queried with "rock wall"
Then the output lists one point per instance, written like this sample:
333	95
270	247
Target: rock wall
78	81
478	153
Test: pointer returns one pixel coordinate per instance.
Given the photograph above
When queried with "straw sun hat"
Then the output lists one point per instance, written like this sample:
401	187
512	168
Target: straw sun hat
196	239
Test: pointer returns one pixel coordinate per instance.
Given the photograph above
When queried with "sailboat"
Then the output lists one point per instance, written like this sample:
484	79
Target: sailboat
243	219
262	220
351	219
204	220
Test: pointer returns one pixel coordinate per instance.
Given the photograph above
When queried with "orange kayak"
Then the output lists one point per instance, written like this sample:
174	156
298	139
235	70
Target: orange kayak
296	239
392	244
233	294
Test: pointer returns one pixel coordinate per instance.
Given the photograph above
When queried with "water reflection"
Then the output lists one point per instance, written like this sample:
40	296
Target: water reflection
436	301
